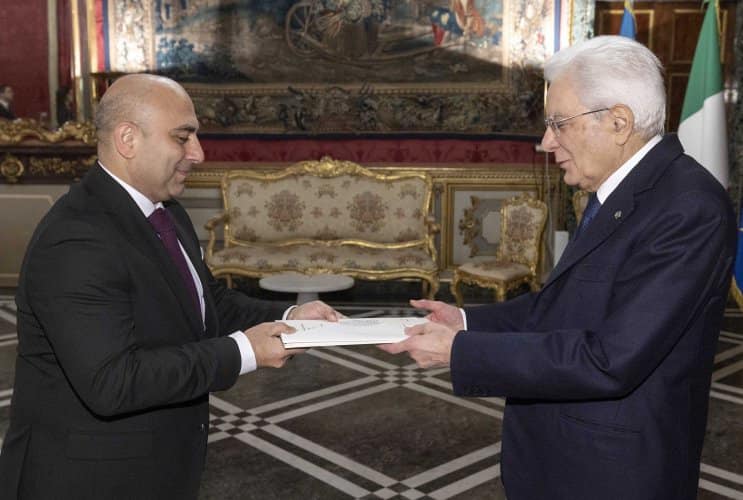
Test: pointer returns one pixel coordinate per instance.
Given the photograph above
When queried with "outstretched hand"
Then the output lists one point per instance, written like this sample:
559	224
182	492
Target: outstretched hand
265	339
429	344
316	309
441	312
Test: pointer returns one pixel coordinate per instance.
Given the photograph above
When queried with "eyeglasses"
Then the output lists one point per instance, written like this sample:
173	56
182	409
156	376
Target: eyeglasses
556	125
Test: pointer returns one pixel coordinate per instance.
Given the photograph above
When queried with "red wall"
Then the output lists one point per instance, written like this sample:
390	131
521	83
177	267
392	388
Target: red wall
23	55
477	149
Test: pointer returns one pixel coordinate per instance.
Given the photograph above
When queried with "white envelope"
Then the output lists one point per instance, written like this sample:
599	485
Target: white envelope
349	331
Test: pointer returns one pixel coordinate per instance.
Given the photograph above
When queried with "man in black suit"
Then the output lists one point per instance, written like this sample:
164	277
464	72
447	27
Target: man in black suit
117	349
606	369
6	102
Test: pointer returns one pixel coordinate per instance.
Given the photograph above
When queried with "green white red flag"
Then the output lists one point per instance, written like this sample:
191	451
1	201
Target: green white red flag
702	130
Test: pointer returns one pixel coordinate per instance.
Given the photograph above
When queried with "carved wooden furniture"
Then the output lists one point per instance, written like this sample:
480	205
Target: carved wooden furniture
518	254
326	216
30	152
580	200
36	163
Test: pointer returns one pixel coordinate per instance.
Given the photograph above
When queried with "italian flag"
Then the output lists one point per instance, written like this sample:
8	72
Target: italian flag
702	130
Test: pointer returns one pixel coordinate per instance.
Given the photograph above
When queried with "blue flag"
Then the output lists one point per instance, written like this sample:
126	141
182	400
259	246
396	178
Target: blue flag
738	271
628	21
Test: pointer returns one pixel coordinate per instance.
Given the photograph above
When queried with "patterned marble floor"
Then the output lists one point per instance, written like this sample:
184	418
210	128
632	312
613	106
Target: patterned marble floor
341	423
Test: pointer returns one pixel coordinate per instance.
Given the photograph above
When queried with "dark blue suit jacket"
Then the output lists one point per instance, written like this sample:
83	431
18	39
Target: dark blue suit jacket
607	369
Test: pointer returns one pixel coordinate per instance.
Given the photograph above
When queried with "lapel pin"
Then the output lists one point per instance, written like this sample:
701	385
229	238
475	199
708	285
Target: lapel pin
618	214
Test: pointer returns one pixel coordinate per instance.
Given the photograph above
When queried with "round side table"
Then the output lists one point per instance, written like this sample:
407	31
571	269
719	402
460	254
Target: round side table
306	286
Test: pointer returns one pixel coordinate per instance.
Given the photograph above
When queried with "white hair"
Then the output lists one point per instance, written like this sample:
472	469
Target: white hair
610	70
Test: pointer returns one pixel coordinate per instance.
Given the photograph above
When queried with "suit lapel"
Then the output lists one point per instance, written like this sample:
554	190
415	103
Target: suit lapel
139	233
619	206
611	215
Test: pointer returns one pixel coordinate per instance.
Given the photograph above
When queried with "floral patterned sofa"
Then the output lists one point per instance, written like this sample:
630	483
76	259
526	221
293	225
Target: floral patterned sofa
326	216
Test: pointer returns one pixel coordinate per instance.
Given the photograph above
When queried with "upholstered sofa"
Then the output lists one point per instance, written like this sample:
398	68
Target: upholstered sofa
325	216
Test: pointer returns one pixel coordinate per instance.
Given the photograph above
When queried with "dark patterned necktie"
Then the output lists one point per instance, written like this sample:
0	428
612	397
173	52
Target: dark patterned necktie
592	208
165	227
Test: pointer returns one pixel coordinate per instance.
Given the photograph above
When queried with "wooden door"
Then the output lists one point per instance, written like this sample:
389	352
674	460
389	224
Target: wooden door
671	30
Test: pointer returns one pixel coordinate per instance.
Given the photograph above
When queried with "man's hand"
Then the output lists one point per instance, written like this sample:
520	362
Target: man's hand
440	312
429	344
315	310
267	346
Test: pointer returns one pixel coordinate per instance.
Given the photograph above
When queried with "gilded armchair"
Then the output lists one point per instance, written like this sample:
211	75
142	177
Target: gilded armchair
518	253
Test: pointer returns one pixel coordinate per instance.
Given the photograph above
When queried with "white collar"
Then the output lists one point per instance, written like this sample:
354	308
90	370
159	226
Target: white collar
611	183
144	203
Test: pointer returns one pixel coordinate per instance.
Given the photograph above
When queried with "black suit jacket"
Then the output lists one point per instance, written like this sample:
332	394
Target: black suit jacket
6	113
114	363
607	369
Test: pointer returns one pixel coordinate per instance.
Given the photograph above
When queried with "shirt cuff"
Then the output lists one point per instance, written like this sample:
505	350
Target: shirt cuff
287	312
464	318
247	355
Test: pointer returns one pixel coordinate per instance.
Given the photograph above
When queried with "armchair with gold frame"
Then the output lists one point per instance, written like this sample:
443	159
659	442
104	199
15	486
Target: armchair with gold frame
517	256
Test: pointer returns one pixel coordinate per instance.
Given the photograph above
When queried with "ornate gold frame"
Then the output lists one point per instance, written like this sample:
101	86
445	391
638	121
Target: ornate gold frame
22	129
325	168
33	151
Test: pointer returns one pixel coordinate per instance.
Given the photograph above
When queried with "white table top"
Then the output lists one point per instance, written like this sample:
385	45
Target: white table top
298	283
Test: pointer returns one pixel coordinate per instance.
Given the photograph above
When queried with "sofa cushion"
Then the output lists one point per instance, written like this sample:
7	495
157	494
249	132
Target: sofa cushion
321	257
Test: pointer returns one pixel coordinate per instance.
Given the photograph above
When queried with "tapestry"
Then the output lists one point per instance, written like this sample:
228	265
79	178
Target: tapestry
343	65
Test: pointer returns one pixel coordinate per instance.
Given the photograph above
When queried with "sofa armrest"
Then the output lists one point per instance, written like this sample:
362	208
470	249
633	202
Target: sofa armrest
211	226
433	225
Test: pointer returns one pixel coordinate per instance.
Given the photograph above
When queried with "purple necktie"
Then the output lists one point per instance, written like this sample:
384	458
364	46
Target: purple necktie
162	221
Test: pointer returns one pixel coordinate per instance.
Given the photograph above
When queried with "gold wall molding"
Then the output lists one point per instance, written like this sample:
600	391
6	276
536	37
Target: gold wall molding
209	174
55	168
59	167
11	168
21	130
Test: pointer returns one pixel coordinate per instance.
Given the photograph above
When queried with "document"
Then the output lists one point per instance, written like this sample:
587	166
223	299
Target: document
348	331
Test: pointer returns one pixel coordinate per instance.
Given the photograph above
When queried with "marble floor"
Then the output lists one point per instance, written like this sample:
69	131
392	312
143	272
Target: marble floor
355	422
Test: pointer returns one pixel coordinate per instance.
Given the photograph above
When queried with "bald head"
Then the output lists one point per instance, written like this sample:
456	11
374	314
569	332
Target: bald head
147	134
131	98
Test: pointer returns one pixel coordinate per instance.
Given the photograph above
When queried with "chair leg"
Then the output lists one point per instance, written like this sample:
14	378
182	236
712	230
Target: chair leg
425	287
228	279
433	288
500	294
454	287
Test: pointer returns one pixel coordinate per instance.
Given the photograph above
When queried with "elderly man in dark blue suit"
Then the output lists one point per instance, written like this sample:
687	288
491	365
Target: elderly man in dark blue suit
607	369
